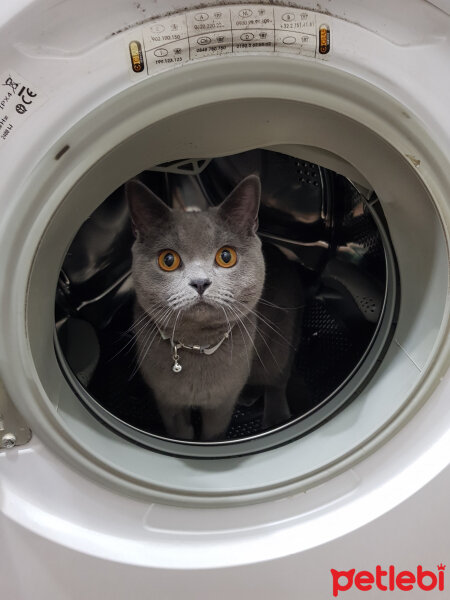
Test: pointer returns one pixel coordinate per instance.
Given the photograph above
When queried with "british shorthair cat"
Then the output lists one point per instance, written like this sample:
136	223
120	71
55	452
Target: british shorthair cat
207	318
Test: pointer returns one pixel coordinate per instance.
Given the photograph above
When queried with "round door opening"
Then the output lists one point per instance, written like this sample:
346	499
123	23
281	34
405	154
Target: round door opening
292	321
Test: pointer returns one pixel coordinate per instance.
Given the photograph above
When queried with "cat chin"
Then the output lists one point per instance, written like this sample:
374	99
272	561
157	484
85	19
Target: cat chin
201	306
203	312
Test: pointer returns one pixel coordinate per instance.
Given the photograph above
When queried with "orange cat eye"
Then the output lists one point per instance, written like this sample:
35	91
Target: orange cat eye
226	257
169	260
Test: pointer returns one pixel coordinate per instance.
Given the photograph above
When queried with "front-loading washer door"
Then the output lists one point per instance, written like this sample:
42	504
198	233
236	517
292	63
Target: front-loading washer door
329	236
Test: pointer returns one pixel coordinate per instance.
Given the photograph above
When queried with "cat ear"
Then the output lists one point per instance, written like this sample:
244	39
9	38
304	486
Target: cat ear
146	209
240	208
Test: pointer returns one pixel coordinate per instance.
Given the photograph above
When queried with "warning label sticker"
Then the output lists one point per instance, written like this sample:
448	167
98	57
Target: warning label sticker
225	30
18	99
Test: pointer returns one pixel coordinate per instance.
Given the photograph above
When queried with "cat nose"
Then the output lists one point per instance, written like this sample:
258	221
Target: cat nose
200	284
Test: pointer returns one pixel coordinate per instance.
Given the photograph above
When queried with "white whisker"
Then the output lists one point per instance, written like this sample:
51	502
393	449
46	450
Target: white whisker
148	341
250	337
262	336
270	324
231	332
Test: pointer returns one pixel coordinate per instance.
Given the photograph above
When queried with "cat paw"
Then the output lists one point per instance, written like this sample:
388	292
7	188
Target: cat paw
276	408
186	434
213	437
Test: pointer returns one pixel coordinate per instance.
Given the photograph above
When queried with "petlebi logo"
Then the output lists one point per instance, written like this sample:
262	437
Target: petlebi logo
388	580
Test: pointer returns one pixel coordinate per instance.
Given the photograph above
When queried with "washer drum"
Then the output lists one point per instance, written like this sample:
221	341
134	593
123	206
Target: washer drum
338	240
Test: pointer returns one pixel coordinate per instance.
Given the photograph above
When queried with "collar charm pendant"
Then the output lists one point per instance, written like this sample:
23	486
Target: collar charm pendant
208	350
176	368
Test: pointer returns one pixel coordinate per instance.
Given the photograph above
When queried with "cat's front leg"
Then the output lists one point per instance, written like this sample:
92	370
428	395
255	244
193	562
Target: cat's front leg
177	420
276	407
215	421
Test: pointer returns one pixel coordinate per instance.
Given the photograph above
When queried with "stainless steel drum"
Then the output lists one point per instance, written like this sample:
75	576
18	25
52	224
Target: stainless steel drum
331	229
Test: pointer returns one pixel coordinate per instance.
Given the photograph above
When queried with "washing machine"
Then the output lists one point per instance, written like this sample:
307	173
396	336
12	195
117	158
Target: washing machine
341	109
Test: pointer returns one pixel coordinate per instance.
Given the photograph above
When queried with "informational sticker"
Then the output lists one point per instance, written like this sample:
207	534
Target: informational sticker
225	30
18	99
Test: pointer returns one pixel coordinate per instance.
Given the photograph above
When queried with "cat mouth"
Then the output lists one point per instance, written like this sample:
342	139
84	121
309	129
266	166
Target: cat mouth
198	303
201	303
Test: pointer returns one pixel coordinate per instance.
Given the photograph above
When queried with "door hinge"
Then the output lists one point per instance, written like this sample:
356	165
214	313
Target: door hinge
13	429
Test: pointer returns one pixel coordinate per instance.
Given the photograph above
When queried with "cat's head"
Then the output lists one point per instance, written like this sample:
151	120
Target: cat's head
204	265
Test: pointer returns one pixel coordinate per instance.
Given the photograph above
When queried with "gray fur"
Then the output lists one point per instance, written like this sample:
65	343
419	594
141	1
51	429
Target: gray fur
167	301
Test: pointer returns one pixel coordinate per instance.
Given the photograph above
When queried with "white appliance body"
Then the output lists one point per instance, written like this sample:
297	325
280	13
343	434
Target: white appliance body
84	513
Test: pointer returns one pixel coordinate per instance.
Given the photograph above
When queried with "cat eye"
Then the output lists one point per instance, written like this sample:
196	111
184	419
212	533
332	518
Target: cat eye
169	260
226	257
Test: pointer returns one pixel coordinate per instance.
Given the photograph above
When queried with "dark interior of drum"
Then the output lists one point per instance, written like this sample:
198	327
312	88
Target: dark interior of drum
320	221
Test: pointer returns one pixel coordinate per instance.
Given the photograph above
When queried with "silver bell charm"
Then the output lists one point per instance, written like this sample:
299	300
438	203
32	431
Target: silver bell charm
176	367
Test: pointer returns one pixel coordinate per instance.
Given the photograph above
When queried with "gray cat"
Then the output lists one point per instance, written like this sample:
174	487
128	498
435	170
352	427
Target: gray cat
202	327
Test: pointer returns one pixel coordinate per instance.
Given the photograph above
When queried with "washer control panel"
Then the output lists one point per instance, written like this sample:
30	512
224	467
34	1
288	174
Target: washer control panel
225	30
